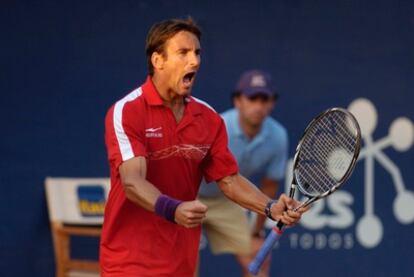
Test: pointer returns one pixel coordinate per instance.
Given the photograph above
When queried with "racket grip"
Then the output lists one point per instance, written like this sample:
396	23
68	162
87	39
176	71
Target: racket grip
267	246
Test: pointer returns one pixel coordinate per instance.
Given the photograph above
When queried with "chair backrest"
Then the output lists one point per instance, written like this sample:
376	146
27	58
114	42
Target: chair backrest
79	201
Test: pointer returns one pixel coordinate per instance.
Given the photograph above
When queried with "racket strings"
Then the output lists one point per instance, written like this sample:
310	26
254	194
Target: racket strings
327	152
328	138
323	148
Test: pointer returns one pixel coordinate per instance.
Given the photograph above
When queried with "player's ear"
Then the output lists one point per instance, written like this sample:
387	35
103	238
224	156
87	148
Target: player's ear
157	60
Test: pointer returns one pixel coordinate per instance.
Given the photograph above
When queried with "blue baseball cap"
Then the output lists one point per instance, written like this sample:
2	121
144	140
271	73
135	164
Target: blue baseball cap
255	82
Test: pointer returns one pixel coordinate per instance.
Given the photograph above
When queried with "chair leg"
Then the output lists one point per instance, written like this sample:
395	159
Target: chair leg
65	254
61	240
62	253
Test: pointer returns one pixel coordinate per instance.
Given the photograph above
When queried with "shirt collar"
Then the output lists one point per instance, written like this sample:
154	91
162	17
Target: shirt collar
153	98
192	105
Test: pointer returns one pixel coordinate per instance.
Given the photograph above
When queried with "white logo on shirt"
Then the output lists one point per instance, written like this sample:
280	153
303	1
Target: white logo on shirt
153	132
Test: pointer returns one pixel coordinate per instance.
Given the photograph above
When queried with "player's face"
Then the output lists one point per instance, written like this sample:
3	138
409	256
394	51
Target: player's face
254	110
181	62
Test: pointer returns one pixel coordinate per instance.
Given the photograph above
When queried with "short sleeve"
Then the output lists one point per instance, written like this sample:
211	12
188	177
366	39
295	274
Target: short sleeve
123	133
220	162
277	166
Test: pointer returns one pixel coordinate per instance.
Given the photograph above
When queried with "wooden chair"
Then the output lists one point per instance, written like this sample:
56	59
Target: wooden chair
76	208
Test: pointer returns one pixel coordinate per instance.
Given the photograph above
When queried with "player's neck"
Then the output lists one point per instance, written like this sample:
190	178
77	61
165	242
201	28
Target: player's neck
170	98
177	107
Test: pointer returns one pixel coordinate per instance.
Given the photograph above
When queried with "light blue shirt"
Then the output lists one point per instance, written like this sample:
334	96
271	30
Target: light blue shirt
263	156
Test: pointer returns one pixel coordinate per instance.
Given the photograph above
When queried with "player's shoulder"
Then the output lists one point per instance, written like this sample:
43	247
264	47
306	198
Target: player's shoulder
131	99
131	103
202	104
204	107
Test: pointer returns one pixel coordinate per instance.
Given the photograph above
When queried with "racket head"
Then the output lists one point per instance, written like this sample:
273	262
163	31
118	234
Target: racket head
327	153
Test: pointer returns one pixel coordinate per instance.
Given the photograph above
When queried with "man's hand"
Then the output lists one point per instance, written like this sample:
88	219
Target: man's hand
283	210
190	213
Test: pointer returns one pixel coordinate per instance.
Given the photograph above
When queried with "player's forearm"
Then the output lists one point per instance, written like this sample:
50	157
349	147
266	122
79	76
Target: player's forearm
268	187
142	193
243	192
137	189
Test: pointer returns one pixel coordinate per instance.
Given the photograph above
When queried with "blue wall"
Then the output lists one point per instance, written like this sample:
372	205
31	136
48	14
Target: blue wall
65	62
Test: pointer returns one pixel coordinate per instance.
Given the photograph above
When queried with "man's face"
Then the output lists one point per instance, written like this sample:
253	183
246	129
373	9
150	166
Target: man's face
180	62
254	110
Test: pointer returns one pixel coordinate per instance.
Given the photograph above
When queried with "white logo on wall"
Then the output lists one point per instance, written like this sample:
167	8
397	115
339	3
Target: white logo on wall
369	228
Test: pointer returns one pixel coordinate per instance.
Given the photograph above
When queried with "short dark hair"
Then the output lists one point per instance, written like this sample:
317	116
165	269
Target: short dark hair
162	31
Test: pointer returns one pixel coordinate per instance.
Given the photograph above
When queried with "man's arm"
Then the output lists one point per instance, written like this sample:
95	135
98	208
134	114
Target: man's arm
243	192
137	189
144	194
269	187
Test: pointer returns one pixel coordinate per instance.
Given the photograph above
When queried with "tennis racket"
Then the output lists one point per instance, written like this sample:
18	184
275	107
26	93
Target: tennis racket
325	157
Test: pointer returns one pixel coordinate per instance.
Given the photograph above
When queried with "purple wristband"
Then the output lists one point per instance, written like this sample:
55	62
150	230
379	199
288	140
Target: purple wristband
166	206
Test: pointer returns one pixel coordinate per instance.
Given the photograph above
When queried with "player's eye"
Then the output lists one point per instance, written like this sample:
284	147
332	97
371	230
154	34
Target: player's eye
182	51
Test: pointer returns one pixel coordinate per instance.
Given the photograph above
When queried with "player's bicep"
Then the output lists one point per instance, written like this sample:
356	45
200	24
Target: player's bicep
226	184
135	168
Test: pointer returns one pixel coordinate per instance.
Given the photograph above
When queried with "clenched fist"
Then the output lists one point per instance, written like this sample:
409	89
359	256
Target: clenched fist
190	213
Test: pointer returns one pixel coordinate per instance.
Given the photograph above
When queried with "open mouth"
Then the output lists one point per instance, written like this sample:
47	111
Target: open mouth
189	77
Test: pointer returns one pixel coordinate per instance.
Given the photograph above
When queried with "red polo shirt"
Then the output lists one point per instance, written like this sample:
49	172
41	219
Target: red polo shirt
136	242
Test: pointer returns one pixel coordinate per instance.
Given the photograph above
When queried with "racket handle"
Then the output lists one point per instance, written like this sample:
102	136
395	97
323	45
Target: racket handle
267	246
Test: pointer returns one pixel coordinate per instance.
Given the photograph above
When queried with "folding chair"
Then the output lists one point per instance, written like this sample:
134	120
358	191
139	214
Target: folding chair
76	207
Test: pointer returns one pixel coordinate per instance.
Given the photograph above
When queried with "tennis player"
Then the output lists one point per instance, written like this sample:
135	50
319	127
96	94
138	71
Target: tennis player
161	141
